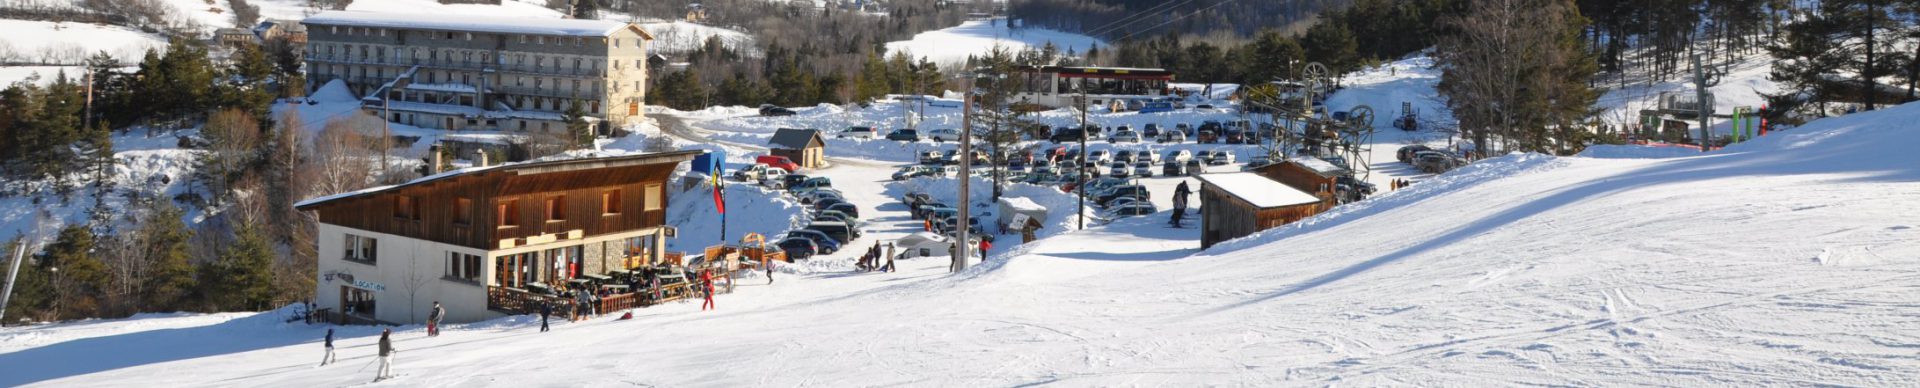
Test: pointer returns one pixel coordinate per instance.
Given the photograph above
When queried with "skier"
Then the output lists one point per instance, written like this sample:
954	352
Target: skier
433	319
769	272
546	310
706	281
386	355
328	359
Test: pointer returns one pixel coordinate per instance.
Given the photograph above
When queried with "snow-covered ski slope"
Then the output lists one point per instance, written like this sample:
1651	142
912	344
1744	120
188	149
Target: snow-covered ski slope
1789	260
949	47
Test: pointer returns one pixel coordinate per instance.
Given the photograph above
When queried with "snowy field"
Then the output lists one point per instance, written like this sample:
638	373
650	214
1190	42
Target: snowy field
38	41
1543	271
951	46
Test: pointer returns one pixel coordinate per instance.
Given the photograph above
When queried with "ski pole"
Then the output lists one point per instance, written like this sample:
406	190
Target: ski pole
364	367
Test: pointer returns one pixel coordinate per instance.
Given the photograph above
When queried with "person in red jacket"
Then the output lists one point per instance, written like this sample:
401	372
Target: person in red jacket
706	280
984	245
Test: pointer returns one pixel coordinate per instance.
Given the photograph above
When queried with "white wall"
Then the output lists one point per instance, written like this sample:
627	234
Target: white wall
402	265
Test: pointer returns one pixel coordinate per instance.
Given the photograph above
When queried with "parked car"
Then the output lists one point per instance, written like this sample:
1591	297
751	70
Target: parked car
1236	136
1173	168
1130	191
944	134
791	179
1435	162
752	173
826	244
1184	129
1219	157
1143	169
1148	155
1124	135
904	134
1118	202
1099	157
838	230
774	178
860	133
810	184
1405	154
837	217
1207	136
1151	131
837	213
1123	156
914	171
843	208
1065	135
771	110
776	161
812	197
1196	167
1120	170
798	248
1348	189
1135	209
1172	137
1181	156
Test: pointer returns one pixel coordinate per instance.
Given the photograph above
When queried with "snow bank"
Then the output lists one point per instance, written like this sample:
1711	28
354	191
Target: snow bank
750	209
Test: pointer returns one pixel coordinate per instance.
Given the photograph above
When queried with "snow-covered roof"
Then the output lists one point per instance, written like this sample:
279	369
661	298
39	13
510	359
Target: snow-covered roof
1258	190
1323	167
494	24
1022	204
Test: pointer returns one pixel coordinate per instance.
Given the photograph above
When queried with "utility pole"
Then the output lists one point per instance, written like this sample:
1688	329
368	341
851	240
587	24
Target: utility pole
966	177
386	131
19	254
1703	97
1082	176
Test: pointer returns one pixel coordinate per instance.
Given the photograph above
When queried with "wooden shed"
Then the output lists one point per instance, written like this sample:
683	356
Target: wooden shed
803	146
1308	174
1237	204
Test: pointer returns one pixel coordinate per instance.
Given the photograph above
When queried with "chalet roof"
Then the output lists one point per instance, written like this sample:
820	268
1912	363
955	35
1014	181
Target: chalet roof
1318	166
522	168
1258	190
793	139
493	24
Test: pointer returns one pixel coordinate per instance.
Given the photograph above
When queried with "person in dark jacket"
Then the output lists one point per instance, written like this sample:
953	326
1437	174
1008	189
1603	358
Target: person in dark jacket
433	319
328	359
546	310
386	355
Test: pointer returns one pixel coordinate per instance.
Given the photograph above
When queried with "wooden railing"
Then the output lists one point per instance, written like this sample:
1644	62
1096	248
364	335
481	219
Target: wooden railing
513	301
619	302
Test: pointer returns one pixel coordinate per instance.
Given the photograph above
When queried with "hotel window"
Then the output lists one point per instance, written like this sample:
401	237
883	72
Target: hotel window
361	249
577	42
523	39
507	213
333	29
610	202
652	200
383	32
540	39
463	266
616	42
469	36
557	208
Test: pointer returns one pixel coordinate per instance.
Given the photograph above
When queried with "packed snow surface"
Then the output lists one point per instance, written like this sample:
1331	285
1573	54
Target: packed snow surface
951	46
1517	270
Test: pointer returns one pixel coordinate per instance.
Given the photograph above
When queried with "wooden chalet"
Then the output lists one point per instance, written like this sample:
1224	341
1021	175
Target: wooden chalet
805	147
1312	175
1233	205
490	241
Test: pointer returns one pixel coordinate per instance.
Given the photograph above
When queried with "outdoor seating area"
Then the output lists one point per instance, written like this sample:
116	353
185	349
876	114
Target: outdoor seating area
615	290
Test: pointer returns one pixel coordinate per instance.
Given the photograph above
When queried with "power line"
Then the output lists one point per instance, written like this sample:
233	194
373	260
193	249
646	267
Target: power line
1170	21
1131	19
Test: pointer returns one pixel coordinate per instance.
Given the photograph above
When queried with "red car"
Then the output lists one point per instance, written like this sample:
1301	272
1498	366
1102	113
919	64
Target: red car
777	161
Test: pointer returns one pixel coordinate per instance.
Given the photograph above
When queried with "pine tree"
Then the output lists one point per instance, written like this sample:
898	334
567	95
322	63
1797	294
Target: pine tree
241	279
1331	44
79	276
579	131
164	238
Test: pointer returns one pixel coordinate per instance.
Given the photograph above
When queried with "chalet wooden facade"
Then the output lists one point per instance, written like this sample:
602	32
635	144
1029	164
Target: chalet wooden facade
1310	175
805	147
1233	205
467	237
